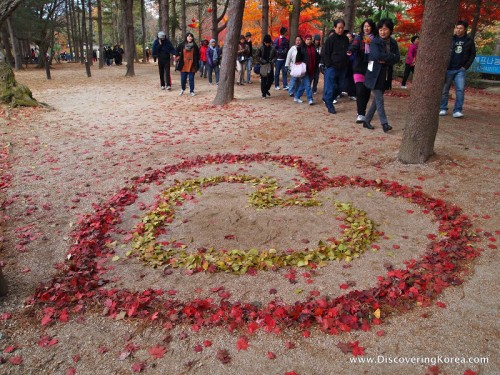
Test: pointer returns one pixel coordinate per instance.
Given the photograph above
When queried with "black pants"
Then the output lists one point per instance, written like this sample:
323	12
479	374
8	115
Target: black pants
406	74
164	69
266	82
362	97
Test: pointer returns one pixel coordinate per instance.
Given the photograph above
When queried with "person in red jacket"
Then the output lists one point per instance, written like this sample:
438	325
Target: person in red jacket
203	58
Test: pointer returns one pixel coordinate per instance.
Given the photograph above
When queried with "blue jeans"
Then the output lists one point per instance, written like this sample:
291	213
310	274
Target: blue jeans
334	81
214	69
458	77
203	69
304	85
280	68
249	70
184	77
294	85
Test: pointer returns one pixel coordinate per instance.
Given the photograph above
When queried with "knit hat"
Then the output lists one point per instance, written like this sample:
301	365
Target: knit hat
248	33
267	39
308	36
241	37
317	37
212	40
283	30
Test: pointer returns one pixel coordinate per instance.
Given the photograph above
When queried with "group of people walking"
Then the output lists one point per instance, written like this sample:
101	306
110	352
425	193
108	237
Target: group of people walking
361	64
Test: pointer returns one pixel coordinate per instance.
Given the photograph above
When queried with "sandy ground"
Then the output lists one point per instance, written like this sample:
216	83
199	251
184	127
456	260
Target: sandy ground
105	131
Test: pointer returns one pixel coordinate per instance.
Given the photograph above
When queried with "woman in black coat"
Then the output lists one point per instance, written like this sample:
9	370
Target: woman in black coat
384	53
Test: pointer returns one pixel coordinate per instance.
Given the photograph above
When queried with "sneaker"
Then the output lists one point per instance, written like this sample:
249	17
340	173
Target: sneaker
268	93
191	93
169	88
182	92
264	97
311	102
315	92
298	100
285	88
360	119
276	88
163	87
458	114
343	93
442	112
353	98
404	87
334	101
291	94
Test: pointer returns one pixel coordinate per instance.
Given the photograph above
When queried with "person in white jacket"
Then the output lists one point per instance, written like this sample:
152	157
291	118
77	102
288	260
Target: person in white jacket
290	60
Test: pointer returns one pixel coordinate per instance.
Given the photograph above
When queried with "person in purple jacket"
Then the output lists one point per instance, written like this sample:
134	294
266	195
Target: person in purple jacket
410	60
214	57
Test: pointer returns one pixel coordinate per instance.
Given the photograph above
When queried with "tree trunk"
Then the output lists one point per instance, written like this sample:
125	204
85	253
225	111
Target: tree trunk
74	32
7	47
90	36
173	24
7	7
475	21
164	8
12	92
68	28
423	111
183	19
294	20
85	39
215	22
225	91
200	16
350	14
99	31
265	17
143	24
128	22
18	58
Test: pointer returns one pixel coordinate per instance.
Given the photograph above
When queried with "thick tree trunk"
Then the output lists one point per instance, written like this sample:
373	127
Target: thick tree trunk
294	20
350	14
225	91
18	58
423	112
7	47
265	17
164	8
12	92
173	24
99	31
128	22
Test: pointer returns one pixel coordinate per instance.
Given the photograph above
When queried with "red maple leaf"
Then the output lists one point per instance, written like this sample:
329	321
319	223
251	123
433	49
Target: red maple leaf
16	360
242	343
356	349
271	355
157	351
138	366
470	372
71	371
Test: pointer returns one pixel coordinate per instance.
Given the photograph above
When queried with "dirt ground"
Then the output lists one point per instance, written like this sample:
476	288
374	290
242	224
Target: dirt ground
102	133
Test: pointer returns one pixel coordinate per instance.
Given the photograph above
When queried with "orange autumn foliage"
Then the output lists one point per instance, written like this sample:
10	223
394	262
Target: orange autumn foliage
278	17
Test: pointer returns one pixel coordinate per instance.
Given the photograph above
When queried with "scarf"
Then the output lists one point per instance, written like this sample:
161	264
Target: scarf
188	46
367	39
215	56
387	43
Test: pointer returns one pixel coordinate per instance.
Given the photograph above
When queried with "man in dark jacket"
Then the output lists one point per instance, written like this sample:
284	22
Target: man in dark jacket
281	44
335	60
162	49
463	52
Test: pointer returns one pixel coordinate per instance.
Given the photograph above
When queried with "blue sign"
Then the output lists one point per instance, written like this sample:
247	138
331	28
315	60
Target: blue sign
486	64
